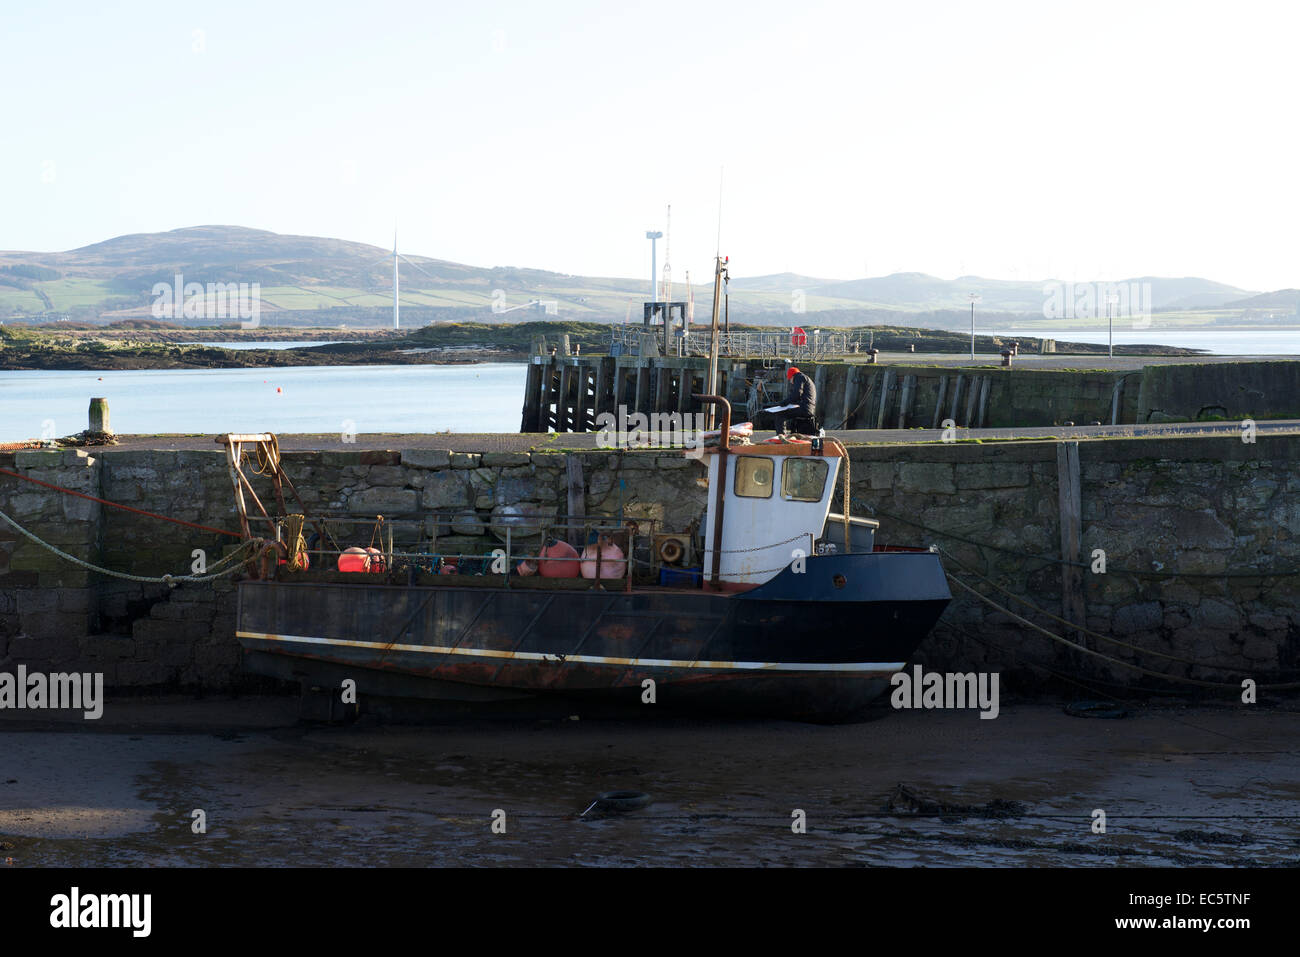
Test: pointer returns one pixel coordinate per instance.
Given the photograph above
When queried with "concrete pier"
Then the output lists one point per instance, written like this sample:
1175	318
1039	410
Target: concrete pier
567	393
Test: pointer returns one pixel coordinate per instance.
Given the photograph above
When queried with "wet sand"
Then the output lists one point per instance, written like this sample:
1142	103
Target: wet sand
1181	786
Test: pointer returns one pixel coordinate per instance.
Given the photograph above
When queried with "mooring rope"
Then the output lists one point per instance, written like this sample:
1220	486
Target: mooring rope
148	579
1116	661
1067	623
1048	560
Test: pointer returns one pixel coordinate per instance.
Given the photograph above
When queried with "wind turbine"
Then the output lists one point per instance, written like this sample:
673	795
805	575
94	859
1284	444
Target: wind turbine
396	278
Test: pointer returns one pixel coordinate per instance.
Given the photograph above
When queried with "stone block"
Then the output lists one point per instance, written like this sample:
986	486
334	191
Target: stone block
426	458
509	491
1201	529
387	475
996	475
1142	616
1219	615
672	462
37	601
639	461
445	489
384	501
928	477
38	458
337	459
76	600
77	458
506	458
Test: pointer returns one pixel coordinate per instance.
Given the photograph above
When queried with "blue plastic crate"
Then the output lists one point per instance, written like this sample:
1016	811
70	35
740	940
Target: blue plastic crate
681	577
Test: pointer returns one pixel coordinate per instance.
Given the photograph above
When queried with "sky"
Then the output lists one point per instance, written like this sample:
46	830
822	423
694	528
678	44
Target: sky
1009	140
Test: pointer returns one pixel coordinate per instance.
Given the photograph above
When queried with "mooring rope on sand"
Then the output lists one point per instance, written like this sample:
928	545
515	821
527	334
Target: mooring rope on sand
147	579
1068	624
1221	685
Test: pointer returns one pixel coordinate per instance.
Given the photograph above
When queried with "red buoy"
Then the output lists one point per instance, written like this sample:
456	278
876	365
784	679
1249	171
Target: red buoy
354	560
559	560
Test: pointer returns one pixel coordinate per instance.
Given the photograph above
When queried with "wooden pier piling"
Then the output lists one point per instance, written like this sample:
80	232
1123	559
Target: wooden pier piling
570	393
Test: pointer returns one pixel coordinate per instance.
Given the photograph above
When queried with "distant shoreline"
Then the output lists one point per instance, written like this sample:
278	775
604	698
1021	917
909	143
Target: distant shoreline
60	347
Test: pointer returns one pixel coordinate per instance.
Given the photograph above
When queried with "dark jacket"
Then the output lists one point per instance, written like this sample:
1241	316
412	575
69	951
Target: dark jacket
802	393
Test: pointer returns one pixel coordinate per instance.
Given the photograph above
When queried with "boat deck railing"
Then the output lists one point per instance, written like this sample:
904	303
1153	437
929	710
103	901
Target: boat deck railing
639	340
413	542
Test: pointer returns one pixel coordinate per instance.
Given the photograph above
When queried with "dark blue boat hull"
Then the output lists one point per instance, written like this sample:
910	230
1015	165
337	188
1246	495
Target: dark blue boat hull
814	643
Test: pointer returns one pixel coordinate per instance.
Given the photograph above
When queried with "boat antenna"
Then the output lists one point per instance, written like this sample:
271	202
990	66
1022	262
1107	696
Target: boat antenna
718	252
667	284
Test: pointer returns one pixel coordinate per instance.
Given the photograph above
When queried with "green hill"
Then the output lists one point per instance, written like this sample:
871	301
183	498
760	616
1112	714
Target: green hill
322	282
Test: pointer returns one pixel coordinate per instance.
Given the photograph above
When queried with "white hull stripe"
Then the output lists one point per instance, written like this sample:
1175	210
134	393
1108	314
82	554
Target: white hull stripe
866	666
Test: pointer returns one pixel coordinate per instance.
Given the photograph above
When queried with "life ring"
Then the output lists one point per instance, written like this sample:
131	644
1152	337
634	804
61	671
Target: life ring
670	551
623	800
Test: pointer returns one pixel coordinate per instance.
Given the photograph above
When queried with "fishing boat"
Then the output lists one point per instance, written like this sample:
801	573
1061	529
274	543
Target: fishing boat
791	609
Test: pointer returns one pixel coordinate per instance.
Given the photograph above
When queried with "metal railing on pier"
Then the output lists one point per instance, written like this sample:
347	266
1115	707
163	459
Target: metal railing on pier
636	339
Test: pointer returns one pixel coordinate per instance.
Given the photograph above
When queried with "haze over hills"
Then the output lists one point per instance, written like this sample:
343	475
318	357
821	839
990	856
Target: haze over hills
332	281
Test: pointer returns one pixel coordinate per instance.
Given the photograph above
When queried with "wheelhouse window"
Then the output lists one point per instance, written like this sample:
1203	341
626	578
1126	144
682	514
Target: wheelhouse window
803	480
754	476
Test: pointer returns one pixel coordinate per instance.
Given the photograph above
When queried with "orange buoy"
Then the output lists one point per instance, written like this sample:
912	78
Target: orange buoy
354	560
376	559
527	568
559	560
611	560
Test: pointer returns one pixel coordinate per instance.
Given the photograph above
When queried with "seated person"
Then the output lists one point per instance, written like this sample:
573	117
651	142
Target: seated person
803	395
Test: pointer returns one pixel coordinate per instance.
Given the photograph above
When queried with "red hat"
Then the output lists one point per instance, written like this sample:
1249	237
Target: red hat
791	372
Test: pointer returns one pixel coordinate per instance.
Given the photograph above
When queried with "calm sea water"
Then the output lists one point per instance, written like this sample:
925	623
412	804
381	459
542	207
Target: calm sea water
382	398
423	398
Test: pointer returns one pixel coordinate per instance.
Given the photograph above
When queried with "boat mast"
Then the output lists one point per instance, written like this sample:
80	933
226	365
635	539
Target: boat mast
712	385
719	269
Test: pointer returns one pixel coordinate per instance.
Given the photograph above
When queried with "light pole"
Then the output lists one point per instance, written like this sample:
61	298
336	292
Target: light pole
974	297
652	236
1111	300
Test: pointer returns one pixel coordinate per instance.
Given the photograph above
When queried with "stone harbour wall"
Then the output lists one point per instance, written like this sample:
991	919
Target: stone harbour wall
1214	511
